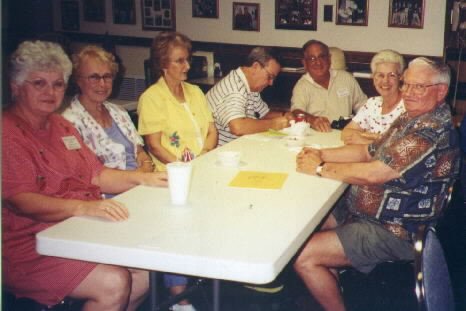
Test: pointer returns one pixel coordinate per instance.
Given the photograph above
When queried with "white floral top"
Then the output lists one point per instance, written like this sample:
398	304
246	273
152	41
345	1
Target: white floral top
109	152
371	119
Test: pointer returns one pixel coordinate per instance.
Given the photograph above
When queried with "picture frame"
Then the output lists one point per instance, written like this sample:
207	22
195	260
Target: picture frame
205	8
69	15
94	10
124	12
406	14
352	12
246	16
297	15
158	15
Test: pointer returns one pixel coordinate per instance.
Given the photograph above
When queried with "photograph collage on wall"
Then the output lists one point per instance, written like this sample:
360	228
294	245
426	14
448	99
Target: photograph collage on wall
352	12
124	12
246	16
205	8
70	15
94	10
296	14
406	14
158	14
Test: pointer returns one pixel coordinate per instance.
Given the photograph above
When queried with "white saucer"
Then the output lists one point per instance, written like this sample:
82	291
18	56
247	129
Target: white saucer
241	164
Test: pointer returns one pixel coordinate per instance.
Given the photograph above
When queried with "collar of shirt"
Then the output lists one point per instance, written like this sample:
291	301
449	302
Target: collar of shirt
333	74
243	78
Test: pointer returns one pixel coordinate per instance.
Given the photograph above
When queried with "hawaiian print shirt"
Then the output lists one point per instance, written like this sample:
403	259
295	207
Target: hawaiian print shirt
425	151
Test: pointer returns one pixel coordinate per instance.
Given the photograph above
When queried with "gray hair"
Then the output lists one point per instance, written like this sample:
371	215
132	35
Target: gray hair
441	70
315	42
38	56
388	56
261	55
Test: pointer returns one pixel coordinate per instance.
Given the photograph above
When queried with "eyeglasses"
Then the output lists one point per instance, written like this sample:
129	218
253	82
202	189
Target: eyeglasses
182	61
314	59
95	78
390	76
270	76
416	88
41	84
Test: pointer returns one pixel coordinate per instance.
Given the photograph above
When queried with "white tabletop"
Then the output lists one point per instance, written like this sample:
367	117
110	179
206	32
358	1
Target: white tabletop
236	234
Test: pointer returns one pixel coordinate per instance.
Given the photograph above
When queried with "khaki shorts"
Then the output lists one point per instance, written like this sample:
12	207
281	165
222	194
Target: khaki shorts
367	244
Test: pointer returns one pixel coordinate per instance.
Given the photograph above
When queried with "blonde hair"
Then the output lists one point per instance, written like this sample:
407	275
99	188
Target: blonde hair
95	52
388	56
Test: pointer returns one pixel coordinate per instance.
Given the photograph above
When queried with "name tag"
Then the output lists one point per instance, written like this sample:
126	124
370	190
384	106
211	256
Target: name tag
71	143
343	92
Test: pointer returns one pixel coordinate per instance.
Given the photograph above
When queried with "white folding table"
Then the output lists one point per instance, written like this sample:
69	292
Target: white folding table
225	233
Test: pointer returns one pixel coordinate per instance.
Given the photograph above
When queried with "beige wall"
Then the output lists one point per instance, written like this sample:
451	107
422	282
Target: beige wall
374	37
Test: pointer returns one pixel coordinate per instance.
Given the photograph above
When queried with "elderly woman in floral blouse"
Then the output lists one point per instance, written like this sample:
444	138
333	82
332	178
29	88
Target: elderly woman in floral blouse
106	128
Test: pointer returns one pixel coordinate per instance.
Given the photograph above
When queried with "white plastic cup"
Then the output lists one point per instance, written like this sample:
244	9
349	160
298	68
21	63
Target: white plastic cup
179	180
229	158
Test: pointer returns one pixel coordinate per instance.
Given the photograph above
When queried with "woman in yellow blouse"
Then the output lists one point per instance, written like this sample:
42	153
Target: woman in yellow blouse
173	114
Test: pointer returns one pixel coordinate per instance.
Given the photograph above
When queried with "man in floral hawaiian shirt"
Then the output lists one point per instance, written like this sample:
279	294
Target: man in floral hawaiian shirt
397	182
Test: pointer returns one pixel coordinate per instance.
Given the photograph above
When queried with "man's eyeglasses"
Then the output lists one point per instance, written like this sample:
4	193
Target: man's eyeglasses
95	78
41	84
314	59
270	76
416	88
390	76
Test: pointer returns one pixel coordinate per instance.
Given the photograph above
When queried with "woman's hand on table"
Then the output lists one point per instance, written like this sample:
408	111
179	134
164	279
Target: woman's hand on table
108	209
156	179
307	160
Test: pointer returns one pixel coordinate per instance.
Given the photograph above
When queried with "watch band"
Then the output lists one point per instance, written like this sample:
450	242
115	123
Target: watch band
319	168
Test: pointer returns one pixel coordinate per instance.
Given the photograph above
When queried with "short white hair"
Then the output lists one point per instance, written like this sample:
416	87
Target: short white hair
388	56
38	56
441	70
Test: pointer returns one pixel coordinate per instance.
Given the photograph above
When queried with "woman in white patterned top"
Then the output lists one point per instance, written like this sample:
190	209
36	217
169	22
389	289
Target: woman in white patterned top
379	112
106	128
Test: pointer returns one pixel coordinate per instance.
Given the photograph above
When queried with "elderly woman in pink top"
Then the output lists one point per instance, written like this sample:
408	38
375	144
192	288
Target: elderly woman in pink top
49	175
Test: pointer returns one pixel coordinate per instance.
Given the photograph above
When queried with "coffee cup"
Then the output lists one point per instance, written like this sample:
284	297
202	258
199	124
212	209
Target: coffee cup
179	180
229	158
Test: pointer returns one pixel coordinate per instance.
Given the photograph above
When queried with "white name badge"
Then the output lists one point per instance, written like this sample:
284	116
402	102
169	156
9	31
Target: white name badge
343	92
71	143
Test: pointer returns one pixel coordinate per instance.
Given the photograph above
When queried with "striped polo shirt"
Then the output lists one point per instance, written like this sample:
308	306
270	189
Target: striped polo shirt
231	99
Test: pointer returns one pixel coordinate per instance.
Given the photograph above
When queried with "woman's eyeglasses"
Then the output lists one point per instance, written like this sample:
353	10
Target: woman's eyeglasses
182	61
41	84
95	78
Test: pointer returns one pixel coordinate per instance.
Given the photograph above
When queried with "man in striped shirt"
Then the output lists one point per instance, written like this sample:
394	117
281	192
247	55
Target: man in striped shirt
235	101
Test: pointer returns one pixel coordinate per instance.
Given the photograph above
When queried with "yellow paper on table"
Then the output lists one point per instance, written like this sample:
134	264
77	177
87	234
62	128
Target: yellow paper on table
259	180
272	132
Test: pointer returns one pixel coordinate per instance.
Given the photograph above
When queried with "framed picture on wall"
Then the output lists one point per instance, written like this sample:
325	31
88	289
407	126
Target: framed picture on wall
205	8
94	10
124	12
291	14
246	16
406	13
158	14
352	12
69	15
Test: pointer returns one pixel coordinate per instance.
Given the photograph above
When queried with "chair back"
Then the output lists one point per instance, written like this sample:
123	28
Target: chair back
338	58
436	292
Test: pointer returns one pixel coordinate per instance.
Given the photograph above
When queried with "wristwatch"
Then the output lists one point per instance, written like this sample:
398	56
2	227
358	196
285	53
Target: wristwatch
319	169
